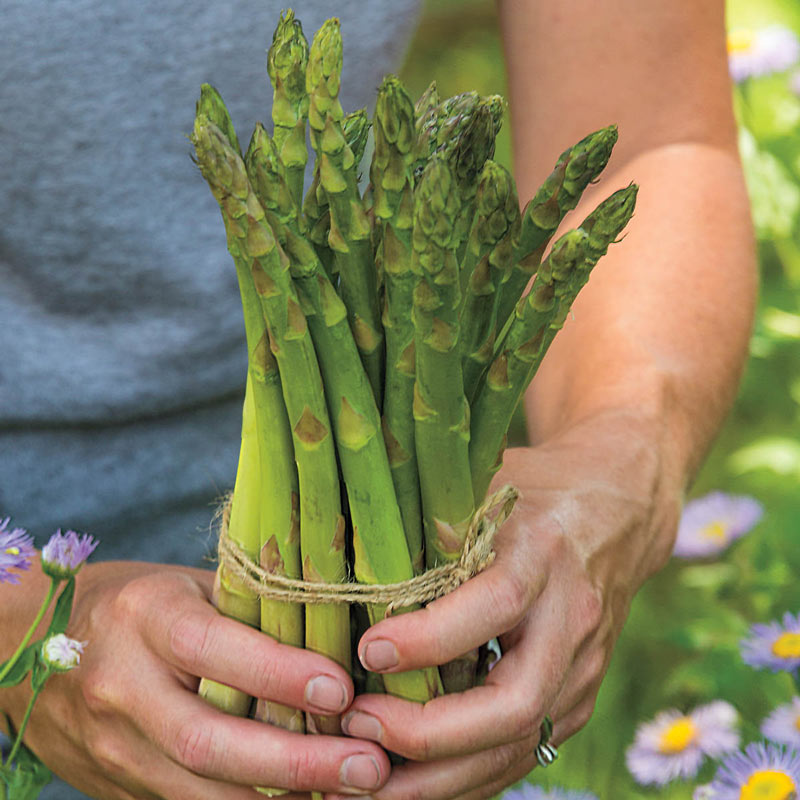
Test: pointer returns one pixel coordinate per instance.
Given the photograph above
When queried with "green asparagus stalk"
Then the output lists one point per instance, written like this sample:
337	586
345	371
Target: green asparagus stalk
381	553
316	219
576	168
350	230
229	595
393	200
321	522
486	265
537	319
441	413
287	59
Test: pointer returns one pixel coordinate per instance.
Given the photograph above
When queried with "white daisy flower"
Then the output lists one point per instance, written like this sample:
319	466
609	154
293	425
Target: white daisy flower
674	745
61	653
783	724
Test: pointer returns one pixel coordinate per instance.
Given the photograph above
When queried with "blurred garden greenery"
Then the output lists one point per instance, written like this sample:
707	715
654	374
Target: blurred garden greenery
680	647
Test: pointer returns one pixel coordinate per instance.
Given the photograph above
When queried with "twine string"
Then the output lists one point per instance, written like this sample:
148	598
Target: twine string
477	554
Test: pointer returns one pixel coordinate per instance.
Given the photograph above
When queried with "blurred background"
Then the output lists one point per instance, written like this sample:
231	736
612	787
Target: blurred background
680	647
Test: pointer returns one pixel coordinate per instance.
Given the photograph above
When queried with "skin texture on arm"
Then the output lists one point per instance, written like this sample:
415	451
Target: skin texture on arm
624	407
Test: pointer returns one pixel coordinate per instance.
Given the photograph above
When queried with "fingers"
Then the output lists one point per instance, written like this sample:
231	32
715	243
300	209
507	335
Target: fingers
221	747
457	777
519	691
192	636
491	603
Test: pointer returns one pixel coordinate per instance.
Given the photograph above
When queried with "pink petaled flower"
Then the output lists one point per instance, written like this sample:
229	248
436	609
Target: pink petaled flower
674	745
61	653
16	551
709	524
65	553
761	771
528	791
775	646
753	54
783	724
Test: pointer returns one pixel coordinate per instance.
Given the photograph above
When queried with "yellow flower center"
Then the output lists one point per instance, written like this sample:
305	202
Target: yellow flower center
740	41
718	531
768	784
678	736
787	645
797	723
12	551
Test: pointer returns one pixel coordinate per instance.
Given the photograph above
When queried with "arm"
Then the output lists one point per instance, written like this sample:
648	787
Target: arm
624	406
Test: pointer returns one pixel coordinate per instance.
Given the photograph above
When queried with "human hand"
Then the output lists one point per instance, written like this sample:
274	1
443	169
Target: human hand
128	722
596	517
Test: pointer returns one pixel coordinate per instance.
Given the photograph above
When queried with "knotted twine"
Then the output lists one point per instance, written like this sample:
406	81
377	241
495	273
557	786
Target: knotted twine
477	554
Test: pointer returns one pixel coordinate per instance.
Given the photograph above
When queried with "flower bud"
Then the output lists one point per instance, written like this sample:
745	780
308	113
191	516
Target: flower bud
65	553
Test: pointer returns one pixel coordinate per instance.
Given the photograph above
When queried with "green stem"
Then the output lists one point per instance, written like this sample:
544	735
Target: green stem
23	725
54	583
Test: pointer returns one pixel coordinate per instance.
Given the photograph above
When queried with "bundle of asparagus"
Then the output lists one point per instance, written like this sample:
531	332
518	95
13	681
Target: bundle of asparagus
389	332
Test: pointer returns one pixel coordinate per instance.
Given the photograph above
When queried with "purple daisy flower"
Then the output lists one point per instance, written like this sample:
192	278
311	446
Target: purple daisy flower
775	646
753	54
783	724
711	523
61	653
762	771
527	791
16	551
674	745
65	553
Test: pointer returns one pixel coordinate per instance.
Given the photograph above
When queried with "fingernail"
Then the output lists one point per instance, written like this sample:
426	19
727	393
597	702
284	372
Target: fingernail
380	654
326	693
362	726
360	772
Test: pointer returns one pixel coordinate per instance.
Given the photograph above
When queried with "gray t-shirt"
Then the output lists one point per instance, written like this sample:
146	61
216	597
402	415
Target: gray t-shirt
122	357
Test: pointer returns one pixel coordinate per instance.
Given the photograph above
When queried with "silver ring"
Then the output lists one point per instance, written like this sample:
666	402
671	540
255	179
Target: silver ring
545	753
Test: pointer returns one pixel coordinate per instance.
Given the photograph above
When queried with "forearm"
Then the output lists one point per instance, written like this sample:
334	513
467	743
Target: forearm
660	332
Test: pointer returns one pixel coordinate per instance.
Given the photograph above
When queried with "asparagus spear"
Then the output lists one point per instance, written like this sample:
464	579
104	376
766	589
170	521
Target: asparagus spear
537	319
355	128
349	235
486	265
560	193
286	63
381	553
229	595
393	199
321	522
426	105
436	126
316	219
441	413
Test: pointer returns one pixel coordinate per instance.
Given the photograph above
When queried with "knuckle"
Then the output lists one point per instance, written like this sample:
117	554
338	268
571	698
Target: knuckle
511	597
302	768
268	675
592	610
133	597
190	640
523	723
195	747
502	759
99	690
110	754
